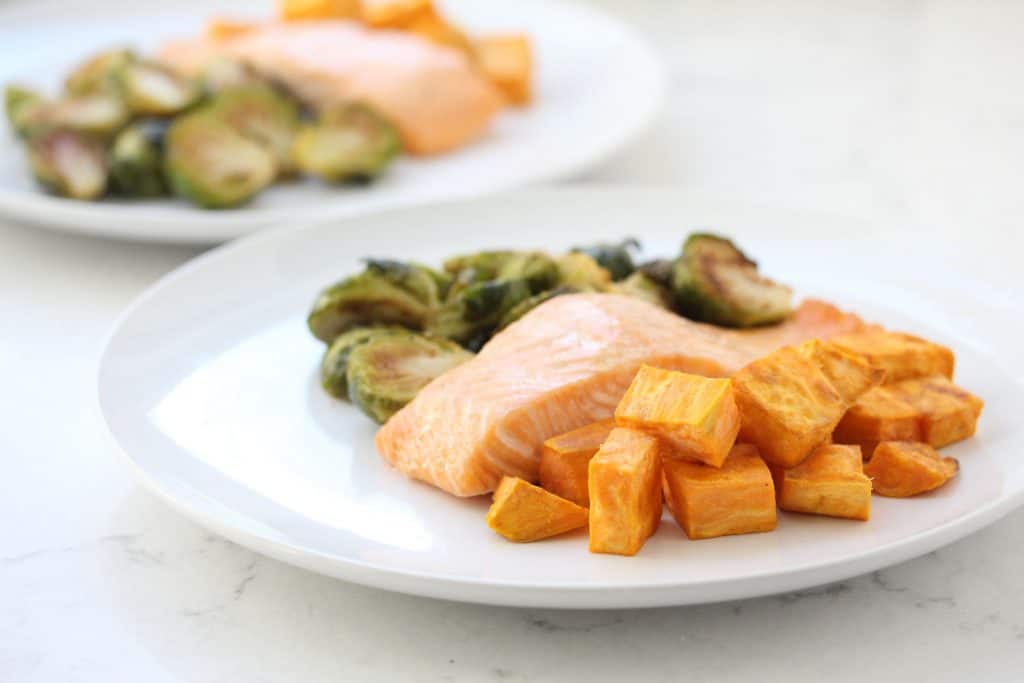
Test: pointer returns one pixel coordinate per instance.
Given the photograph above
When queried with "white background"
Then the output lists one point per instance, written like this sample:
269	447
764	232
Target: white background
908	113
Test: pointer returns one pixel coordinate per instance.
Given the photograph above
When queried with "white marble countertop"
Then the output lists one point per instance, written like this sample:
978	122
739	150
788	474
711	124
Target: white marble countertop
905	112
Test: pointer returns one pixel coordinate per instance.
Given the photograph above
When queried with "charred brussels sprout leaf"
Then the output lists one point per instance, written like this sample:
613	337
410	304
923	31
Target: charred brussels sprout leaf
472	315
69	164
387	371
96	74
582	272
615	258
207	162
334	365
641	286
24	108
715	282
527	305
386	293
261	114
137	159
350	143
150	89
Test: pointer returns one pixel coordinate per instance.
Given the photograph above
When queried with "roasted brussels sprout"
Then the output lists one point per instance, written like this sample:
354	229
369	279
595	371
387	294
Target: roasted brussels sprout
538	269
388	370
96	74
641	286
151	89
68	164
472	315
715	282
483	265
350	143
386	293
334	365
262	115
100	114
582	272
207	162
659	271
615	258
221	73
137	159
527	305
23	108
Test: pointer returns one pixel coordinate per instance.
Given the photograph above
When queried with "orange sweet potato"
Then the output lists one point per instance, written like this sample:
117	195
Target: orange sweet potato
625	492
879	415
947	412
850	374
737	498
292	10
565	458
507	62
393	13
523	512
830	482
900	469
903	356
226	29
696	417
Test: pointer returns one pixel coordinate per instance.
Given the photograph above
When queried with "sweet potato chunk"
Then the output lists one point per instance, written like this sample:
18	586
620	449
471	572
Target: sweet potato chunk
506	62
226	29
291	10
696	416
879	415
787	406
900	469
903	356
850	374
565	458
523	512
947	412
625	492
393	13
737	498
830	482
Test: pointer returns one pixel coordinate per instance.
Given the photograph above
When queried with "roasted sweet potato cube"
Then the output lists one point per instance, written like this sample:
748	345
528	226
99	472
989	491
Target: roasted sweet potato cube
736	498
831	481
946	412
900	469
318	9
564	460
879	415
850	374
787	406
226	29
523	512
625	492
506	62
903	356
695	416
393	13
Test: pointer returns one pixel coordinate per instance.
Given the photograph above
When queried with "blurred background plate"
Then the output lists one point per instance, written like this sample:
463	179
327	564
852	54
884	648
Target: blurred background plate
209	385
598	85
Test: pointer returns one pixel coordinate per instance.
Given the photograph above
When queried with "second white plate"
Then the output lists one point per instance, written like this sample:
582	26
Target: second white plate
598	85
209	385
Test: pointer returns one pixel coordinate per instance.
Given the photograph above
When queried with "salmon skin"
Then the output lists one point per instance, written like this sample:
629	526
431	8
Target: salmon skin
563	365
435	98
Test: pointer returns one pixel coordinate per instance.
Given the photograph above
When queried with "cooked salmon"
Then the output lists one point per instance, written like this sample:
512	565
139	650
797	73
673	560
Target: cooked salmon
430	92
564	365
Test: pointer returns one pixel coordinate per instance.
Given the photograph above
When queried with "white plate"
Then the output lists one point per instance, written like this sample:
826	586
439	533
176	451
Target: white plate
209	385
598	86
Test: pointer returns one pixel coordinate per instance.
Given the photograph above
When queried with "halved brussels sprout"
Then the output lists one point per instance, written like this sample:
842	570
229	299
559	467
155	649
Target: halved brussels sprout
137	159
151	89
582	272
69	164
615	258
641	286
97	73
207	162
386	293
350	143
715	282
471	316
23	108
262	115
527	305
484	265
100	114
538	269
388	370
334	365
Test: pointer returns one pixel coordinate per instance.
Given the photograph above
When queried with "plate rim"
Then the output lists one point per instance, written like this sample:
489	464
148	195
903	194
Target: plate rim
527	593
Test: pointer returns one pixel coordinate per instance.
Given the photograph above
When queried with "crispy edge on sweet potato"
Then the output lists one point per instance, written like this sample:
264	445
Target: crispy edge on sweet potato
900	469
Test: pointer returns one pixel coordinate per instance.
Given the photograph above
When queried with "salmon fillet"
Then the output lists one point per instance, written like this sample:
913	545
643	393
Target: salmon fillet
430	92
562	366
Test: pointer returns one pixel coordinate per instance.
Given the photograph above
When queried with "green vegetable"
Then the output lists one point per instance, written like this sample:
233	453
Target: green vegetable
100	114
23	108
615	258
350	143
68	164
209	163
136	160
387	371
582	272
151	89
472	315
715	282
262	115
659	270
386	293
641	286
527	305
96	74
334	365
